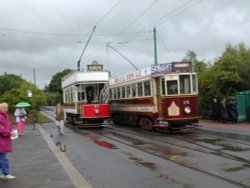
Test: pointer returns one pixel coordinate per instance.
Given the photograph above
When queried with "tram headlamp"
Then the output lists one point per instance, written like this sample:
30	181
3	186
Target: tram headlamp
187	110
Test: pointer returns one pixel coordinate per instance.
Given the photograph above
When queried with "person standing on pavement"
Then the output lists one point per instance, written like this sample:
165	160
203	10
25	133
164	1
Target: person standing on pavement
224	110
20	115
59	112
215	110
5	142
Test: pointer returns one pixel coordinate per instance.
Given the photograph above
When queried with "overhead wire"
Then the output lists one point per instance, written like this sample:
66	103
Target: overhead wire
135	20
112	8
138	33
98	22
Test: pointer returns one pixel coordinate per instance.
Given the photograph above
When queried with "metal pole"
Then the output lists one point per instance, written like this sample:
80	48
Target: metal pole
108	45
155	46
79	61
33	100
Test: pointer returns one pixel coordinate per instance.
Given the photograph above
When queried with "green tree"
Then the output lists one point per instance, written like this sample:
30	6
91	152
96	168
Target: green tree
9	81
54	89
55	83
19	94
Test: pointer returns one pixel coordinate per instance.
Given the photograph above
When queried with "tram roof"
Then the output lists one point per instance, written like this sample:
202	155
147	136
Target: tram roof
153	71
78	77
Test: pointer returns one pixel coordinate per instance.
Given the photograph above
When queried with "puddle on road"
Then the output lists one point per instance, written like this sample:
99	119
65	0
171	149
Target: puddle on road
156	170
96	140
149	165
224	146
130	139
234	148
105	144
208	140
235	169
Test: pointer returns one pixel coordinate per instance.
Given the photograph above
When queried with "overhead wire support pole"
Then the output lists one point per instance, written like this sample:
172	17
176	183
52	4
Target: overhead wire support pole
79	61
108	45
155	47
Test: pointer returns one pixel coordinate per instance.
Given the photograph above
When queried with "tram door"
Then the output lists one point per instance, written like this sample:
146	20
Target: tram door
156	94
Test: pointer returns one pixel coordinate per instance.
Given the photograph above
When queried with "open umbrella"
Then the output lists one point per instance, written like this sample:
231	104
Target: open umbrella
22	104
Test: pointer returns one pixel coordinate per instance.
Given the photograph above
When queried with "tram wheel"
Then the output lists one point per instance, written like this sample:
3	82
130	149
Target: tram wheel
146	123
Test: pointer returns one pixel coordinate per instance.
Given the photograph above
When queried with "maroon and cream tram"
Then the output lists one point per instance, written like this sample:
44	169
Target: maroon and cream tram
85	96
163	96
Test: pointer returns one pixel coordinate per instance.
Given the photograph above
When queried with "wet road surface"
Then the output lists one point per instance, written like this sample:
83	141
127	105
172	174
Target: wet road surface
129	157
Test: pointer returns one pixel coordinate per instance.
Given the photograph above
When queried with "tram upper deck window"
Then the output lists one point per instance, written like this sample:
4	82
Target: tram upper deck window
128	91
115	93
118	93
133	90
172	87
123	92
185	84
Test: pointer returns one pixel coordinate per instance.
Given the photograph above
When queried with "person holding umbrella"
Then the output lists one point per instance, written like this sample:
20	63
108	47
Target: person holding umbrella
20	115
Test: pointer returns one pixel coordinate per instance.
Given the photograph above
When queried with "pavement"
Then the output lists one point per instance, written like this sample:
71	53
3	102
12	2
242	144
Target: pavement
37	161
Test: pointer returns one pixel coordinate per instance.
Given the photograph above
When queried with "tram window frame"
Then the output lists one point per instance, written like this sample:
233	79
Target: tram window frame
115	94
129	93
118	93
123	92
147	88
194	83
111	93
163	86
185	83
172	87
140	89
134	90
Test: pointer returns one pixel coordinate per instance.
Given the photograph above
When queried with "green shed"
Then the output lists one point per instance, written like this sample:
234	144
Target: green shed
243	106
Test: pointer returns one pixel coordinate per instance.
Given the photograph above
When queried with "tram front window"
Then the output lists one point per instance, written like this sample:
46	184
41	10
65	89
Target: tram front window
172	87
185	84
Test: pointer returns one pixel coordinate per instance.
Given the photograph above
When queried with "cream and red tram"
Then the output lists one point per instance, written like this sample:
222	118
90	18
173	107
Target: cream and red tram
85	96
163	96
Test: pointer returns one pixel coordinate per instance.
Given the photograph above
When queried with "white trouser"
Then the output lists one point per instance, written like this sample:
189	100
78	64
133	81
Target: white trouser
60	125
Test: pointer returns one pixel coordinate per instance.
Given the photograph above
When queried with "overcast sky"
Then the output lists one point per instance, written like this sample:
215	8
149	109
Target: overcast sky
49	36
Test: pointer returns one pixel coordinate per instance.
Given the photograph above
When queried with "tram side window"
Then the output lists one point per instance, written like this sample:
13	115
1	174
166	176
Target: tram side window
194	83
163	88
133	90
128	92
139	89
172	87
110	94
115	93
185	84
118	93
123	92
147	88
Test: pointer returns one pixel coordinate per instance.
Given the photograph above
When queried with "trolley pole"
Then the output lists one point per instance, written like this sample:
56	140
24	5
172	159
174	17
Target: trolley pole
155	46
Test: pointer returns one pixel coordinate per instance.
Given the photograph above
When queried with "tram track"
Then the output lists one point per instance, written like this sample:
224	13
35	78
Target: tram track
108	135
105	135
238	141
211	151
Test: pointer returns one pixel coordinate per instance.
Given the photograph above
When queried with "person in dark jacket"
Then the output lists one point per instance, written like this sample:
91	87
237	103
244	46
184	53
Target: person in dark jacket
215	110
5	142
232	110
224	110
